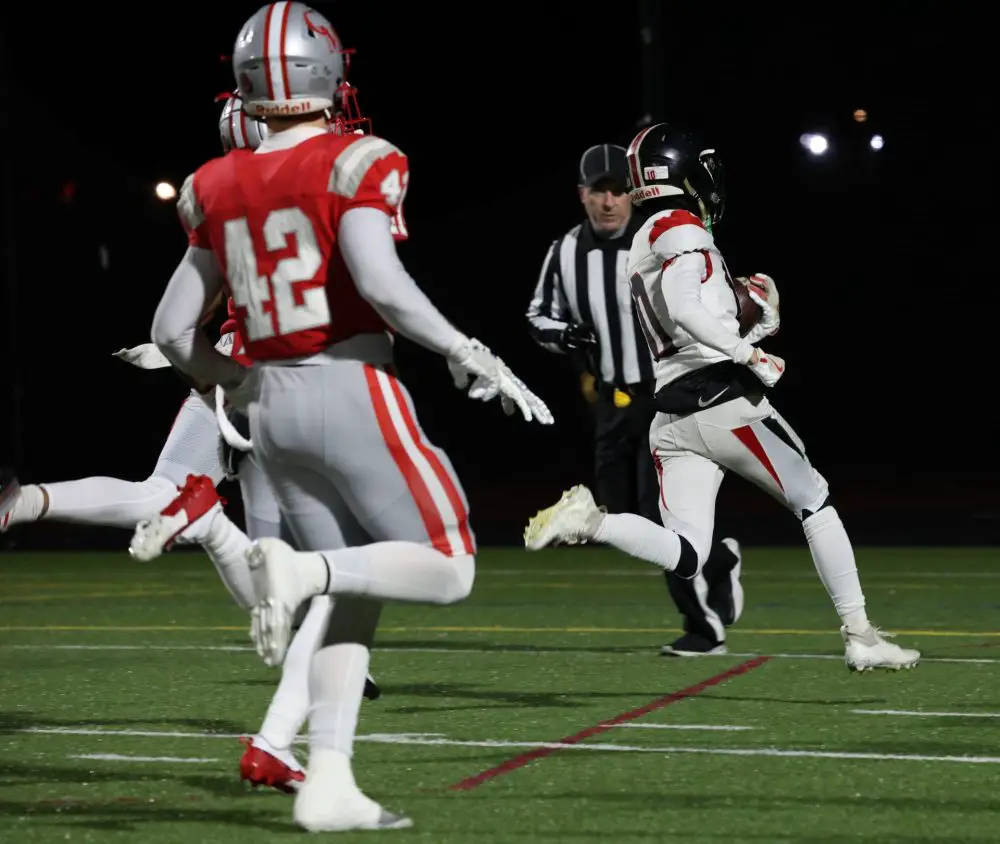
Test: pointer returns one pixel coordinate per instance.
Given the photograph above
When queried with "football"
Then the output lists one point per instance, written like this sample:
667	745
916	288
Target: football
749	311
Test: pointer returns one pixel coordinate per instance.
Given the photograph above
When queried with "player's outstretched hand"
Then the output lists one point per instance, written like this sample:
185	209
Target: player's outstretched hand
768	368
472	361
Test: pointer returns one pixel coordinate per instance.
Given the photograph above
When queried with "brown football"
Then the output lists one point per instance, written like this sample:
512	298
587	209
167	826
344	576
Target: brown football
749	311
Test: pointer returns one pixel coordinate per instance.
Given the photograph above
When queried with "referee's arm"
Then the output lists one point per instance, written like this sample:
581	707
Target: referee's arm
547	314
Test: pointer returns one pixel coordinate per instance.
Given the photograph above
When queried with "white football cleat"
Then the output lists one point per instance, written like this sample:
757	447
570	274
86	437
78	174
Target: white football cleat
281	589
572	520
330	801
196	500
870	650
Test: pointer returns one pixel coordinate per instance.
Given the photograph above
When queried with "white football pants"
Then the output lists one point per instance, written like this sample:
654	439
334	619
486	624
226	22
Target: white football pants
692	454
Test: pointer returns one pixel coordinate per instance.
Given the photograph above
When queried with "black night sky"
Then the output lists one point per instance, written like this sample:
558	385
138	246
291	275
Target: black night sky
883	258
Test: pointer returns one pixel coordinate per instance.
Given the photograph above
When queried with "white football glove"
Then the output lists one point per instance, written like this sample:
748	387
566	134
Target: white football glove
768	368
764	292
148	356
470	359
144	356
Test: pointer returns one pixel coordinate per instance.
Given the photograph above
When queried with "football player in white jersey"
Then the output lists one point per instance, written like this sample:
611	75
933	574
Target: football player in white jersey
713	413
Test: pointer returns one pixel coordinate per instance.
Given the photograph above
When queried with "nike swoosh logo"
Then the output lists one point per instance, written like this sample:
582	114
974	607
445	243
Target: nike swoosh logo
703	403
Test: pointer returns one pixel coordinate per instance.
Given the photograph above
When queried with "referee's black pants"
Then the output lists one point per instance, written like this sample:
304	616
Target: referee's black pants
625	481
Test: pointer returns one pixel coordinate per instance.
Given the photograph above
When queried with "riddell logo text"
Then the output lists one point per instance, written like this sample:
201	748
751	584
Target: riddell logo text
303	107
647	193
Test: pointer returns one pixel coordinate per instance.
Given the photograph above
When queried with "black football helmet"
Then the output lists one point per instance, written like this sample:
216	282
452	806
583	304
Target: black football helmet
672	163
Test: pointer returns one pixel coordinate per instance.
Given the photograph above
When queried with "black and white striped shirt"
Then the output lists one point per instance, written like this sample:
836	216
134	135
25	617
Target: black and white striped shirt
583	280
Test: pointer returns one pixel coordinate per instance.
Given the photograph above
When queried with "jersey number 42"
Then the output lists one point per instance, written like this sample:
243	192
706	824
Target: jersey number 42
270	303
291	299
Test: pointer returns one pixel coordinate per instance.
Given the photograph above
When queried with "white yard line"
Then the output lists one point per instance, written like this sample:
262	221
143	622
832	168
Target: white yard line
722	728
119	757
499	650
436	741
920	714
751	574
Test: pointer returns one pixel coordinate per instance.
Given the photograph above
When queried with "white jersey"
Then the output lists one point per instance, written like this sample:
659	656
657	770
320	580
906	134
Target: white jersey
684	296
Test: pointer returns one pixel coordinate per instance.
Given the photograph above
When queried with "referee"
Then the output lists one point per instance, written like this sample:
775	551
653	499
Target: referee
582	307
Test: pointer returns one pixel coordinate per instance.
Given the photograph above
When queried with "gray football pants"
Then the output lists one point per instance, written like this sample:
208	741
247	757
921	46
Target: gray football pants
345	456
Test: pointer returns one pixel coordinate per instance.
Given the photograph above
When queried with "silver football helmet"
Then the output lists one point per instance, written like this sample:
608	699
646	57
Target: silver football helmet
287	61
237	129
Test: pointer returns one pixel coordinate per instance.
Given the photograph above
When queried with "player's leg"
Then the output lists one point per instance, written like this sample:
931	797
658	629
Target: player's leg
330	799
195	516
190	449
689	486
370	453
758	444
341	634
289	708
714	594
614	485
676	545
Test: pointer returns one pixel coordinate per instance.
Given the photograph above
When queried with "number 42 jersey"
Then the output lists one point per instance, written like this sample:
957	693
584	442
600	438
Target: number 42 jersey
271	218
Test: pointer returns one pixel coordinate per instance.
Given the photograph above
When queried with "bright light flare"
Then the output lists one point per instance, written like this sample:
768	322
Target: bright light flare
816	144
877	142
165	191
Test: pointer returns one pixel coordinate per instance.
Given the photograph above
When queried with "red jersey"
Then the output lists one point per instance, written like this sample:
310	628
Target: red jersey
272	218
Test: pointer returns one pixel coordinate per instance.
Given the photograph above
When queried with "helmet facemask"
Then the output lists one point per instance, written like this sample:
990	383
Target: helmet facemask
346	117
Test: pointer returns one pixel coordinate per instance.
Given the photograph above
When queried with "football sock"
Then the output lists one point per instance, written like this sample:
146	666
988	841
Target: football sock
29	506
639	537
106	501
289	707
834	559
226	546
336	682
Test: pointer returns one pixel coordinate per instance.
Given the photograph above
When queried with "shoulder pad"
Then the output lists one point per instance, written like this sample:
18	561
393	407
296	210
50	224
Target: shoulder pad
353	162
188	207
678	231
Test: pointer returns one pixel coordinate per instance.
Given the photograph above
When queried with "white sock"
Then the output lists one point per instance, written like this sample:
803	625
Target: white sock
226	545
641	538
29	505
834	559
393	571
283	753
108	501
290	705
336	684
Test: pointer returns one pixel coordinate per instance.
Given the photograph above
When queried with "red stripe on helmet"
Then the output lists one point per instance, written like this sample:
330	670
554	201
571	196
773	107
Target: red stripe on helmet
266	57
282	55
632	156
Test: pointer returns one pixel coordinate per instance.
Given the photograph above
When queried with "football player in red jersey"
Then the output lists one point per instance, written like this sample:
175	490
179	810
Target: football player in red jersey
196	516
299	233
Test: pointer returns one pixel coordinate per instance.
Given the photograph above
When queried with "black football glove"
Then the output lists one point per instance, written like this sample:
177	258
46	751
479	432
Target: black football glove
577	337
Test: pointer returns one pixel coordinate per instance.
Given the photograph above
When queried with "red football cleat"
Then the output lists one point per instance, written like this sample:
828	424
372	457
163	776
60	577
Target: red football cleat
258	767
194	500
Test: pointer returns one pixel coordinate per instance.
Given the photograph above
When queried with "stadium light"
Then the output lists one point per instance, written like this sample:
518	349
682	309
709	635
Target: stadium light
816	144
877	142
165	191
